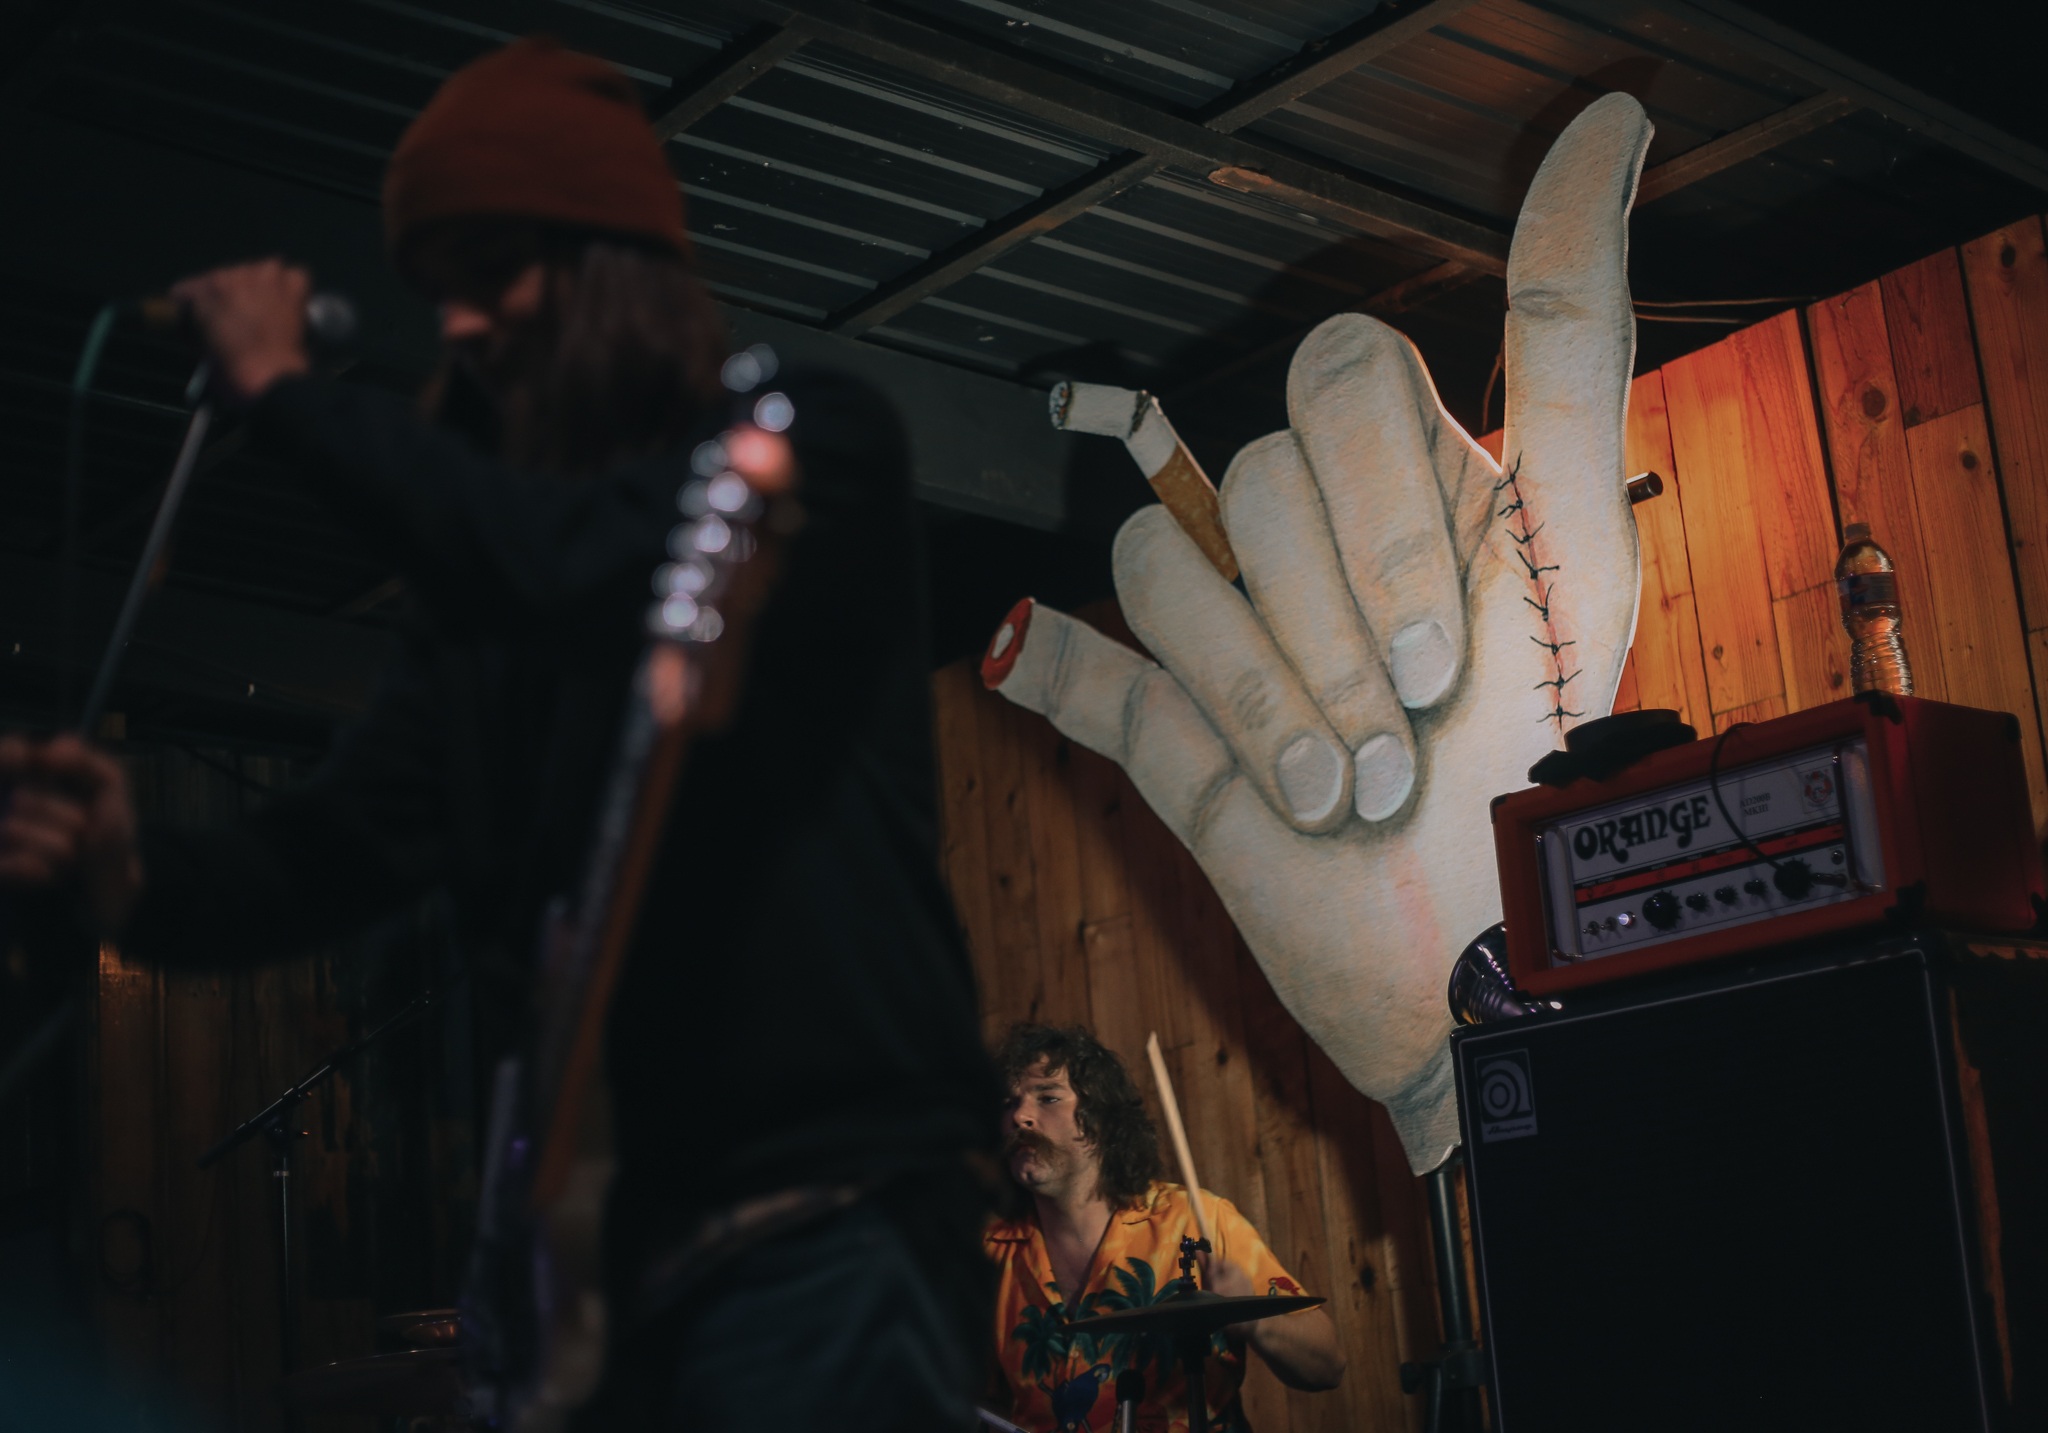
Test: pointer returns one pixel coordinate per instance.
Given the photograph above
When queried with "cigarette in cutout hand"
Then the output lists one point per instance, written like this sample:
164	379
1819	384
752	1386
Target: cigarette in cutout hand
1162	457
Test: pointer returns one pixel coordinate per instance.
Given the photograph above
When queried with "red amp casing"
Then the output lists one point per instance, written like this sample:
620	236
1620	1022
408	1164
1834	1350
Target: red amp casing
1847	818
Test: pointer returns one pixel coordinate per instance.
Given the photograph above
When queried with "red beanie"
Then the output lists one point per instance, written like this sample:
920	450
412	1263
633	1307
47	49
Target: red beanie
534	131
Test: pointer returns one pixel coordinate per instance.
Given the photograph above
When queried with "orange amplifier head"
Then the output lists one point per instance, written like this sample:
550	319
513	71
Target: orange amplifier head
1841	816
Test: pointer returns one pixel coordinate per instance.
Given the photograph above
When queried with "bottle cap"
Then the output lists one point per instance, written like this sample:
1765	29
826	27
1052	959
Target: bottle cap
1856	532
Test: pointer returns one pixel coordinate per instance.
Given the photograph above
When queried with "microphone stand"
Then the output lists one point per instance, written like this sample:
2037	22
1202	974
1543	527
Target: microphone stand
274	1122
31	1051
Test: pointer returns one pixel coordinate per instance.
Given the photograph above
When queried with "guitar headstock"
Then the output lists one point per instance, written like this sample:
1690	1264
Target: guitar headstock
723	554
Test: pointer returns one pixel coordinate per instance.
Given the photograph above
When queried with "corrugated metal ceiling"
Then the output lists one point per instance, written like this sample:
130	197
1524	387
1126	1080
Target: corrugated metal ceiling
836	181
831	175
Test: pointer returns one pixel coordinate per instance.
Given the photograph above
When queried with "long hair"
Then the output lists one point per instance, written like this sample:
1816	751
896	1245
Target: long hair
1108	1109
621	361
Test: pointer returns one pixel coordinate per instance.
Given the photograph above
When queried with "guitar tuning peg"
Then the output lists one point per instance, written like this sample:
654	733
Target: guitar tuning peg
688	577
729	493
709	534
749	368
774	412
707	459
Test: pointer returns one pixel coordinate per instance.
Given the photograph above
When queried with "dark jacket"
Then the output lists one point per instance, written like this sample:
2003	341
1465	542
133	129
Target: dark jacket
798	1004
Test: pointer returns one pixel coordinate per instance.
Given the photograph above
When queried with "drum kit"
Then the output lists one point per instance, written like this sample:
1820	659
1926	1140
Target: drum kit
1191	1317
424	1380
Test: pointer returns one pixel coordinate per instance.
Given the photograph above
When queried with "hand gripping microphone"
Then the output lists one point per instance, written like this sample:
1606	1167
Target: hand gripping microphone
1130	1392
330	318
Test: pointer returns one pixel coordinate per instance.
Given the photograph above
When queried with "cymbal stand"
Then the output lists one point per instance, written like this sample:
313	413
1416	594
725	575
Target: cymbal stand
1193	1348
277	1123
1453	1378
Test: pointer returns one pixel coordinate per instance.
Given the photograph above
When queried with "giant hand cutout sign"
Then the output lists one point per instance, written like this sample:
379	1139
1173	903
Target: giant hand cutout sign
1423	624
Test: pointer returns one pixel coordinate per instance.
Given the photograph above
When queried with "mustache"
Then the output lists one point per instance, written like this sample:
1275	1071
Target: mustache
1025	1139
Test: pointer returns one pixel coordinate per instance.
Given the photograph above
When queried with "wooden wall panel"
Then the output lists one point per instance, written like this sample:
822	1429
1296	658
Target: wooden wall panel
1788	475
1289	1167
1815	647
383	1182
1962	531
1767	709
1712	444
1930	337
963	837
1055	861
1628	696
1667	663
2008	288
1866	434
2037	654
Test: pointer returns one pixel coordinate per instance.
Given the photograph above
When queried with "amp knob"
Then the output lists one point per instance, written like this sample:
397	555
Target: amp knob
1794	878
1662	910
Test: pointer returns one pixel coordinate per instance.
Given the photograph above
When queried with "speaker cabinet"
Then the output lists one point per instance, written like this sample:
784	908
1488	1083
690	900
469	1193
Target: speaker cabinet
1796	1194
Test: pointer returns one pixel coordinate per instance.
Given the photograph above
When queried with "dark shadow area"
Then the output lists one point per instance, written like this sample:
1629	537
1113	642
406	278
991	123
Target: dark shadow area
1971	57
981	566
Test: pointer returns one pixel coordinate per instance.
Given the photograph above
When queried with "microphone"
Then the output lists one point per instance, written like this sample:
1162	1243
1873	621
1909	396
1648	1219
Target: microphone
1130	1392
330	318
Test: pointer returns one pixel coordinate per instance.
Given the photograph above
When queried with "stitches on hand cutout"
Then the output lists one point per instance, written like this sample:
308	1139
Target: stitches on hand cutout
1516	516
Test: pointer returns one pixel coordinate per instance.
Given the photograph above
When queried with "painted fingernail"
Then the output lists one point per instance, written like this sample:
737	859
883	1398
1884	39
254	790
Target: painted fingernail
1311	778
1423	663
1386	772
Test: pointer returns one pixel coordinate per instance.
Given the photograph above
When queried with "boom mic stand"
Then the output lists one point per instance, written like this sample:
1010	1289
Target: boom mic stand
274	1122
32	1050
330	324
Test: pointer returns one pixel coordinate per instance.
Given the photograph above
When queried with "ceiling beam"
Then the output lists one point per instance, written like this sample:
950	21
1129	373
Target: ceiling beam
1322	61
1830	70
1334	203
1751	140
949	266
732	70
1147	137
1403	297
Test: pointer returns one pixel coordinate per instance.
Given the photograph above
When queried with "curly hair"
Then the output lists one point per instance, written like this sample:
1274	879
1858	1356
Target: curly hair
1110	1114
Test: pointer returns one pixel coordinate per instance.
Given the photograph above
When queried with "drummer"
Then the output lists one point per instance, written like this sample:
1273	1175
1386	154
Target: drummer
1103	1233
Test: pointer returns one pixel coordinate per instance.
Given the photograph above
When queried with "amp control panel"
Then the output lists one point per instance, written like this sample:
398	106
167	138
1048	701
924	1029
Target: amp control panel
1743	846
1860	813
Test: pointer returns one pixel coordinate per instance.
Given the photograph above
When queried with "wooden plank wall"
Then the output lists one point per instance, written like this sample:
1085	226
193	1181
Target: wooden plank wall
383	1180
1917	403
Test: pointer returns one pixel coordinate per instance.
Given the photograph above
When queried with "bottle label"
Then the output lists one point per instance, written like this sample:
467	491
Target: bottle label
1862	589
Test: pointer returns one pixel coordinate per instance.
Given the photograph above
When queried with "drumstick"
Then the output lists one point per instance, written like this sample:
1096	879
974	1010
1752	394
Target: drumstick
1179	1134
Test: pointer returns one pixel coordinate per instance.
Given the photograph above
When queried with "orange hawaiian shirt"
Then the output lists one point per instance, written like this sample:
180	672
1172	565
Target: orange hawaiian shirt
1065	1382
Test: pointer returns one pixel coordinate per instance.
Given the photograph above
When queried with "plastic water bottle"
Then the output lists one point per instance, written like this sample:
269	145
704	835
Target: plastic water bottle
1865	578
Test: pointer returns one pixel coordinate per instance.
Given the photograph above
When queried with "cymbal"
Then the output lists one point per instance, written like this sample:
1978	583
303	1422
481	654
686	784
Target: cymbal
418	1381
1200	1312
428	1328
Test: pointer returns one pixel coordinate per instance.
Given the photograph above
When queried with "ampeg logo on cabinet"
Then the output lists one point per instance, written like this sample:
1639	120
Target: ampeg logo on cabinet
1507	1101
